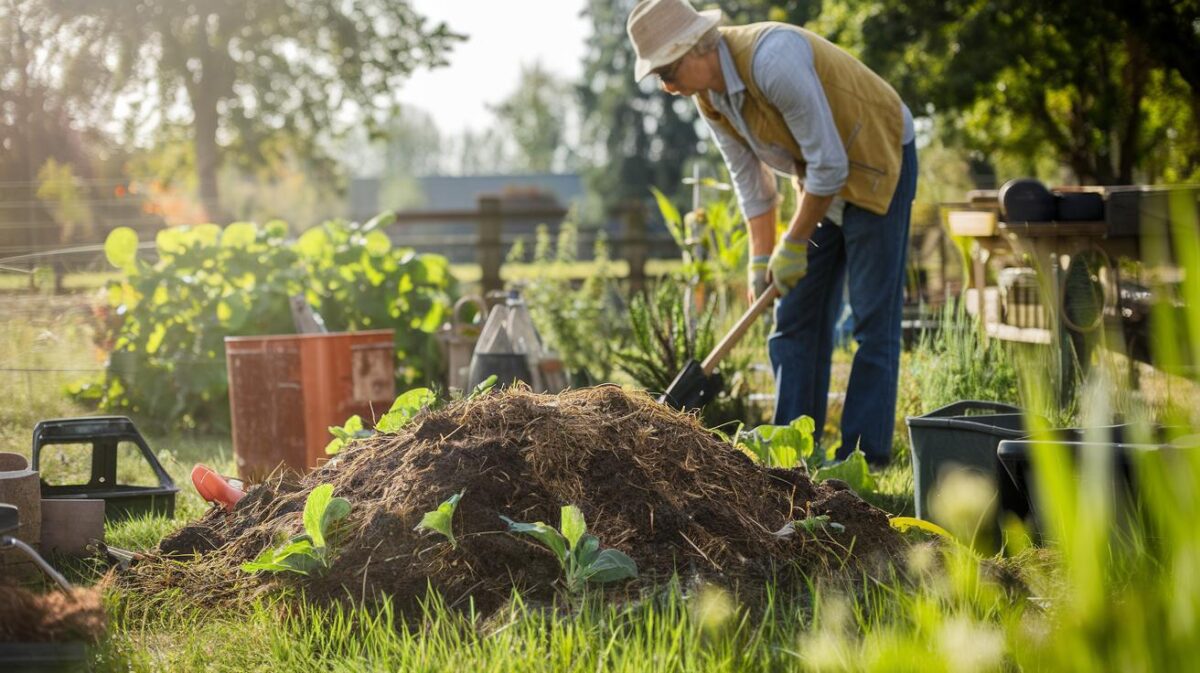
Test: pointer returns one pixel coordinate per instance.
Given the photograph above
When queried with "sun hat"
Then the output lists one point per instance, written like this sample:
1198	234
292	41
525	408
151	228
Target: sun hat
664	30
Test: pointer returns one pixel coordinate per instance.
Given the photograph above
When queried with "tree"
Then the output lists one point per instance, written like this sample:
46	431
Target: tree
251	71
49	100
634	136
1087	81
412	147
535	118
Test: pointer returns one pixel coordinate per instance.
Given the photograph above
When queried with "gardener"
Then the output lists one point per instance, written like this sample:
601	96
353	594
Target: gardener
780	99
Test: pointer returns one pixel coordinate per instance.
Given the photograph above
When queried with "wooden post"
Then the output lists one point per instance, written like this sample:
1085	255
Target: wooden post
491	222
635	249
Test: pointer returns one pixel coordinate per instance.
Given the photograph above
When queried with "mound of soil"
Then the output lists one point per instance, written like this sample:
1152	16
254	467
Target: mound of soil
56	617
651	482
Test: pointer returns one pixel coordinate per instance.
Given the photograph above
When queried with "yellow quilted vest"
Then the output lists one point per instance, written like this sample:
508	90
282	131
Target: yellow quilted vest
865	109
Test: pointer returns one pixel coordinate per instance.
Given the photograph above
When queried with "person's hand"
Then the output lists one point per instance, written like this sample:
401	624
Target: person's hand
756	278
788	264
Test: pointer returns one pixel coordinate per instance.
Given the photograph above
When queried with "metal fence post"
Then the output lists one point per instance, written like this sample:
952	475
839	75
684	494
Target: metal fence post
490	254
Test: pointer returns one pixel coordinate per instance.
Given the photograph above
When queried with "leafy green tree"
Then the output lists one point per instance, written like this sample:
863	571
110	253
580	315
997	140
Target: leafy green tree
1087	81
534	117
474	152
634	136
413	147
49	107
251	71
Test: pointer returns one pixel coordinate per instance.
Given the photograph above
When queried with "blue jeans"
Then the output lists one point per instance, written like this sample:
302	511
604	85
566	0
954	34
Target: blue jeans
867	252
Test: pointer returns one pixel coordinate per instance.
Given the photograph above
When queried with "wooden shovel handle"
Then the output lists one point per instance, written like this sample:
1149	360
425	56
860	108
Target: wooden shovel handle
735	335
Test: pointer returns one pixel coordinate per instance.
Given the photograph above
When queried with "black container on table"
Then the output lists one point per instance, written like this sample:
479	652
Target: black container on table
1027	200
1131	209
965	434
1079	206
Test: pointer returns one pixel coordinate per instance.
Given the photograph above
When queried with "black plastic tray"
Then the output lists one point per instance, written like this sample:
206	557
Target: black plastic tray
105	433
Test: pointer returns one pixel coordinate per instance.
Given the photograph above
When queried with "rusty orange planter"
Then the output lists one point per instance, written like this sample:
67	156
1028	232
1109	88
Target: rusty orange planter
286	390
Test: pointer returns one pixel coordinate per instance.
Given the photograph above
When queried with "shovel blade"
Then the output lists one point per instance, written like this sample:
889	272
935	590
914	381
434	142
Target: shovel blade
692	388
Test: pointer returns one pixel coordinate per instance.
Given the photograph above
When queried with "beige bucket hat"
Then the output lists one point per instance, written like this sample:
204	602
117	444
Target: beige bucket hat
664	30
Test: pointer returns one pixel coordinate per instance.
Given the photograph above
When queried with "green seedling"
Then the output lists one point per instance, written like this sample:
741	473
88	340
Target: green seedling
404	409
441	520
810	526
853	470
577	551
784	446
310	551
353	429
485	386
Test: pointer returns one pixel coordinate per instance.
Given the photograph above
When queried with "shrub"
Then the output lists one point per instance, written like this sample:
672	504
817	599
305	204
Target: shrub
172	316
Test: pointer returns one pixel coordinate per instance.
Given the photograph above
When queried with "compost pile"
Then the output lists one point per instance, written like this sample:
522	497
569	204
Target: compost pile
652	482
57	617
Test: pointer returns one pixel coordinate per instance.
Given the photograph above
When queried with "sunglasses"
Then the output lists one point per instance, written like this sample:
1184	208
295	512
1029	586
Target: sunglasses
667	72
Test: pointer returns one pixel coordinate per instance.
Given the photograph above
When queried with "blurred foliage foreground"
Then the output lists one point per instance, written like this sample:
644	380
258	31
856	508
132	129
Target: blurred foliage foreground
166	322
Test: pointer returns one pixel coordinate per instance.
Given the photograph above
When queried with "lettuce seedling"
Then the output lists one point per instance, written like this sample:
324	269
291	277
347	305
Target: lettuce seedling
781	445
853	470
309	551
404	409
485	386
578	552
352	429
810	525
441	520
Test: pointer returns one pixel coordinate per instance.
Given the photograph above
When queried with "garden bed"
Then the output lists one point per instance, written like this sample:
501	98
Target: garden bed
652	483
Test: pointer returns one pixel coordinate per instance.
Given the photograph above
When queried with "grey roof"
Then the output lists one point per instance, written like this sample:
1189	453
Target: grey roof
461	192
453	192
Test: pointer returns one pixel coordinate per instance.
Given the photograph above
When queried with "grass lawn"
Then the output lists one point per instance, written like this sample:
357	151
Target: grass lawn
1092	601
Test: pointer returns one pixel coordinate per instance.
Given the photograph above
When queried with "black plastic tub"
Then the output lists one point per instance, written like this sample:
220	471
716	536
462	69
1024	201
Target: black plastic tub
1016	455
965	435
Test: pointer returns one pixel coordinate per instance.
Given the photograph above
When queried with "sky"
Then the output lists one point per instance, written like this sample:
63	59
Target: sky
502	35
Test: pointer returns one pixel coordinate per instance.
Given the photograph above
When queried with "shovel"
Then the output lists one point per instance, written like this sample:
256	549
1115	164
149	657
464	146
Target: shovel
697	385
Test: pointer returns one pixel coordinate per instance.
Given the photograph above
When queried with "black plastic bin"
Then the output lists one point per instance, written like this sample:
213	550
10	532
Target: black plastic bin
966	435
1016	457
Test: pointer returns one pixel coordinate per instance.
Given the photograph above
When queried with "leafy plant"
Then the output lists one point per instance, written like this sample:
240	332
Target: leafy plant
582	323
310	551
782	445
661	341
441	520
351	430
403	409
483	388
578	552
810	526
853	470
171	317
792	445
718	229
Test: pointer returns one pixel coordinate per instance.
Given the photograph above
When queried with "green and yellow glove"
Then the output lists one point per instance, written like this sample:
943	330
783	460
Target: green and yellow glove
756	280
788	264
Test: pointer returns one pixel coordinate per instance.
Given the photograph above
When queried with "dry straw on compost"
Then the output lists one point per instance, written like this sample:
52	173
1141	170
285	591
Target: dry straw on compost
651	481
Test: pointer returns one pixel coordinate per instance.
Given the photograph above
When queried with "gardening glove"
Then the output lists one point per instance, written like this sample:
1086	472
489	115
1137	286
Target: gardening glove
788	264
756	281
